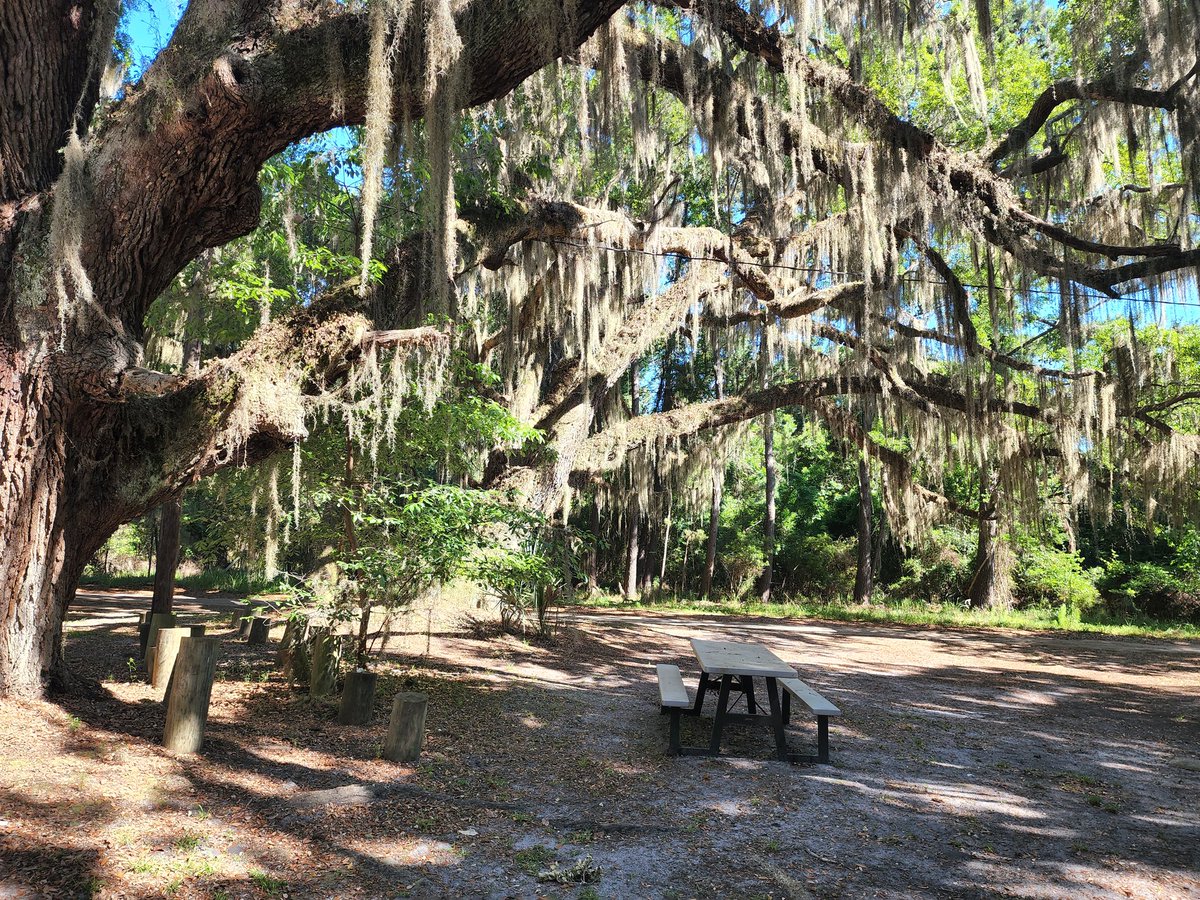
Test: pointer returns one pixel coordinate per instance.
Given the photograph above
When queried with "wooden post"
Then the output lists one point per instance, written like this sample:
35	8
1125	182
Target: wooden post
293	635
157	621
406	730
324	666
243	626
191	689
161	662
358	698
259	629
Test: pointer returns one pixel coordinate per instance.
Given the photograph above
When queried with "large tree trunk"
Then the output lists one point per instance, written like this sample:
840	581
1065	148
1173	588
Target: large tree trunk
170	520
49	518
864	579
990	585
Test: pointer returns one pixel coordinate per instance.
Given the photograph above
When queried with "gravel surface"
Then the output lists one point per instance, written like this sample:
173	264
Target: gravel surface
967	763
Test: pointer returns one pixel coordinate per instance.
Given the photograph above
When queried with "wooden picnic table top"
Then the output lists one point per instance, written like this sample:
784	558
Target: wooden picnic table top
733	658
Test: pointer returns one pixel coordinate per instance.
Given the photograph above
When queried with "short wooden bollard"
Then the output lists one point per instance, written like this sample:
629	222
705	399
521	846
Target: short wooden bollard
191	689
358	698
259	629
244	626
293	633
157	621
406	730
235	618
161	662
301	658
324	664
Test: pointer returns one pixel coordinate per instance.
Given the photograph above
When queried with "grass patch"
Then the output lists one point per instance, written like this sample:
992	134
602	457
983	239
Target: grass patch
264	882
533	859
908	613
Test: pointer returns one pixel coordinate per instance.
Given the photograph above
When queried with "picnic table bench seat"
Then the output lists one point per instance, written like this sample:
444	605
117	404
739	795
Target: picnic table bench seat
673	698
817	705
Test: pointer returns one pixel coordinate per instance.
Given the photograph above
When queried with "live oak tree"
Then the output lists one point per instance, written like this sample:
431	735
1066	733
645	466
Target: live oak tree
900	265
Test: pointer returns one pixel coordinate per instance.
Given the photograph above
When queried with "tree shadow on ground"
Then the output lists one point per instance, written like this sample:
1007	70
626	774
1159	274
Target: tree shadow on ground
1011	770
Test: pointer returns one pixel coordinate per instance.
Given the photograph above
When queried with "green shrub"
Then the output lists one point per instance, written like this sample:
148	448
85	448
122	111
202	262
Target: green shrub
819	565
1054	577
1153	590
938	574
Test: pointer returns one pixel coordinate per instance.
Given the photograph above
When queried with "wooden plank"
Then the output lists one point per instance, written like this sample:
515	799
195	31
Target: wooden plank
810	698
671	689
733	658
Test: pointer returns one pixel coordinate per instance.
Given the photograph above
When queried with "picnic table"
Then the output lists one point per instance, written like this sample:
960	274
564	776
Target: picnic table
730	667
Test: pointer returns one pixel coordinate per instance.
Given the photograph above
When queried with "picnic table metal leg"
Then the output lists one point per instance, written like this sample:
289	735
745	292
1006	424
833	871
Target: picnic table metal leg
674	740
700	692
748	690
823	739
714	744
781	750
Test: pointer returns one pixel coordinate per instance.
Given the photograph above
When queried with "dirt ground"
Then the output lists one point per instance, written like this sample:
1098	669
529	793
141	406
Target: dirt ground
968	763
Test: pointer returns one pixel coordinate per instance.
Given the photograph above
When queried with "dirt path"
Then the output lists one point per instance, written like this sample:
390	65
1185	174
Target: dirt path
968	763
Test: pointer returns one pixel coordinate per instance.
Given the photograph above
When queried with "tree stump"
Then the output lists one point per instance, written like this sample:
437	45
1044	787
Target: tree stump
161	662
157	621
358	698
191	689
406	730
259	629
326	654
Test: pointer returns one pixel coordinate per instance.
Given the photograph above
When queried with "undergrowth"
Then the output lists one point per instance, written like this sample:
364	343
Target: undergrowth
1057	618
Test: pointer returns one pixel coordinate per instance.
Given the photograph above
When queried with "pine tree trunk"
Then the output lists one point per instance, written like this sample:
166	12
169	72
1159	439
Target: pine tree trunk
633	510
632	527
772	476
864	579
593	556
718	486
772	479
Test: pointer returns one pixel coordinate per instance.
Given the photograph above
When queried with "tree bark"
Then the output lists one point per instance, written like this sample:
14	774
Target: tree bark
593	556
864	579
633	512
167	558
990	586
718	487
772	480
772	475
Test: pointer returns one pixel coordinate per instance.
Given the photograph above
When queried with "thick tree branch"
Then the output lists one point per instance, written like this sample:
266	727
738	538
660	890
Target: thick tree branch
1111	87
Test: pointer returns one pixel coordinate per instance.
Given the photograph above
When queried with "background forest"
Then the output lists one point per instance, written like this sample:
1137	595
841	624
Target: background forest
386	495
